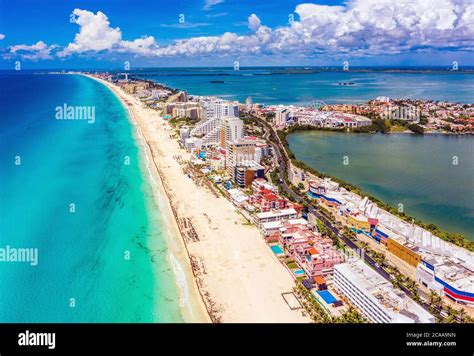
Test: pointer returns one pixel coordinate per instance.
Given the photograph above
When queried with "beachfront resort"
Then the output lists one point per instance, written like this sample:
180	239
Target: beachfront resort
346	255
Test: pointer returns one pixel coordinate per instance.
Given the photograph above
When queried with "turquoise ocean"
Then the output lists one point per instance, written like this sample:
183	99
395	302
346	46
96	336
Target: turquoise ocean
102	259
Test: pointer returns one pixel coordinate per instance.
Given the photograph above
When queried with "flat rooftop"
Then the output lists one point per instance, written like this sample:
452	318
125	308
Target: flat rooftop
276	213
395	302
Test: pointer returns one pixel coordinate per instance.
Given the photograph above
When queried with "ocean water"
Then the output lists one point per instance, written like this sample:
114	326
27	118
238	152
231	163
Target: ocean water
105	260
299	86
416	171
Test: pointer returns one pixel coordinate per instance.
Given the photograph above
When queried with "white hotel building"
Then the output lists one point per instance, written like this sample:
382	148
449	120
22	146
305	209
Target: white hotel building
216	110
375	297
275	215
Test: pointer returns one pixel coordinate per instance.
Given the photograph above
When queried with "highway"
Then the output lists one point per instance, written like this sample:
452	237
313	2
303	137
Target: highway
284	162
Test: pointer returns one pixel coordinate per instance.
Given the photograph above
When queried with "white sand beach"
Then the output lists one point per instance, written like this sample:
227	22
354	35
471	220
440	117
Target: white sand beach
237	278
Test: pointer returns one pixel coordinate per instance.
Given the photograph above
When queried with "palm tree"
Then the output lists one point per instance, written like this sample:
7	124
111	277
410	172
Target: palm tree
398	281
452	314
434	301
351	316
462	316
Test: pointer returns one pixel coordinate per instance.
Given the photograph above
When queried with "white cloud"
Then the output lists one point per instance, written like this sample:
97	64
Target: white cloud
210	3
141	46
254	22
37	51
382	26
357	28
219	14
2	36
95	33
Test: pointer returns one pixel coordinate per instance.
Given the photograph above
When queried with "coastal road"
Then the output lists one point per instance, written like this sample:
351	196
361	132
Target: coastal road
284	163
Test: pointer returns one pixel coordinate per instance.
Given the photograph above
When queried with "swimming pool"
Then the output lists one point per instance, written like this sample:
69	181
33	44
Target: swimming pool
277	250
327	296
298	272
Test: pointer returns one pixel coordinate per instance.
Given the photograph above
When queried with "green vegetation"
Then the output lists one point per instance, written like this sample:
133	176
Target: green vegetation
294	128
180	121
452	315
248	119
416	128
435	302
301	187
317	312
397	128
380	125
391	125
292	265
350	316
364	129
312	307
457	239
269	116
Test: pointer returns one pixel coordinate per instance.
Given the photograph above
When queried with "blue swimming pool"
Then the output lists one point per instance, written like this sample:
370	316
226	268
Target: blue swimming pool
298	272
277	250
327	296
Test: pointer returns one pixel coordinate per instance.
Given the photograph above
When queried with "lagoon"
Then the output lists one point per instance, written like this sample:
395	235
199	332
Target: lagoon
431	175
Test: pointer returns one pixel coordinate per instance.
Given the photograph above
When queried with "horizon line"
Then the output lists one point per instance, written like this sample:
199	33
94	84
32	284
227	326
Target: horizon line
446	67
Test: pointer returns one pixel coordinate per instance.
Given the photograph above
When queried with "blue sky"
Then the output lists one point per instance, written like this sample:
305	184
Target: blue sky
40	34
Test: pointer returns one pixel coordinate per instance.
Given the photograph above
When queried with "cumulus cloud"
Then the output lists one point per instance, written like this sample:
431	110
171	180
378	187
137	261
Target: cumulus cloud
2	36
37	51
254	22
358	28
210	3
95	33
142	46
383	26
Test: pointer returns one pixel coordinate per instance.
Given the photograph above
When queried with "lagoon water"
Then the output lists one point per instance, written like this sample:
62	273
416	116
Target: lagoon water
104	260
416	171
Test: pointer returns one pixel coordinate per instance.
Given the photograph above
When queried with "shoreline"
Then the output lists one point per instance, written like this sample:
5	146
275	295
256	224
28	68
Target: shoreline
189	308
310	128
194	310
440	232
236	276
